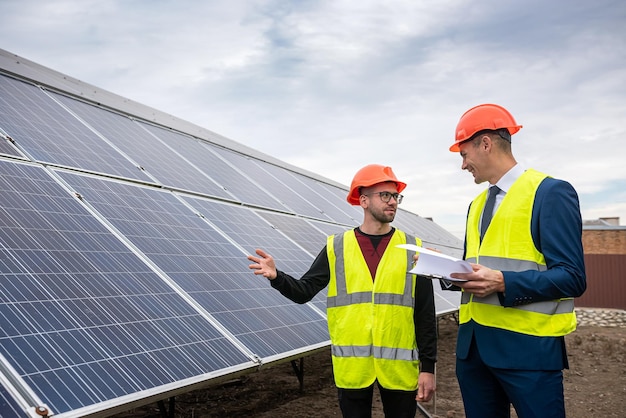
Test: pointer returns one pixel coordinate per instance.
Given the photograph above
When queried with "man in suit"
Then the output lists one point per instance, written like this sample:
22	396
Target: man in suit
517	304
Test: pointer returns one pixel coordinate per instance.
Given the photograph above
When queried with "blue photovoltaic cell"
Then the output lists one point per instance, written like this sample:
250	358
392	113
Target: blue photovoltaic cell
274	182
252	232
297	191
9	406
331	200
49	133
5	147
429	232
338	196
83	320
205	264
311	235
331	229
200	154
159	160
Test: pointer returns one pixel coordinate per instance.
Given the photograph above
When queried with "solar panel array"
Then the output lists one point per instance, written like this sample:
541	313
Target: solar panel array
123	274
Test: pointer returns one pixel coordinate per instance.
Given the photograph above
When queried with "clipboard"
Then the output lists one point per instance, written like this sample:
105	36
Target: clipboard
435	265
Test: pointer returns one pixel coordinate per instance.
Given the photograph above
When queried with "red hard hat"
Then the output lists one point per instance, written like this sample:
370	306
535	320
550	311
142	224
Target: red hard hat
370	175
480	118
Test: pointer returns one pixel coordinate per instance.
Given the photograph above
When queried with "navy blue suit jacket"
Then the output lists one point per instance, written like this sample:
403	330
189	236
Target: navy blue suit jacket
556	228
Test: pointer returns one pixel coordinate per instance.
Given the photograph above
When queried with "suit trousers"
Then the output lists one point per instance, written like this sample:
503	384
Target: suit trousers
488	392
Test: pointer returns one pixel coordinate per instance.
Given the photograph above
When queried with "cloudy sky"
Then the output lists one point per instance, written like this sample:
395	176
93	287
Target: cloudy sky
330	86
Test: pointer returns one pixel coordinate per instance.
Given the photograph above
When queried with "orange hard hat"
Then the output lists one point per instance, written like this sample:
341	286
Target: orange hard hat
480	118
370	175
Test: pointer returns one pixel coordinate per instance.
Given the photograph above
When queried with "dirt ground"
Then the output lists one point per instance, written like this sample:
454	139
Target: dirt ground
595	384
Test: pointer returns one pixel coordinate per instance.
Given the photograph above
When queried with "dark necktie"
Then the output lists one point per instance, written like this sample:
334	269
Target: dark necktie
488	211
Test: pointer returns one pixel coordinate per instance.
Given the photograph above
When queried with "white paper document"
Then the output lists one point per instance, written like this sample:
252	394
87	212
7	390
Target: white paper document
437	265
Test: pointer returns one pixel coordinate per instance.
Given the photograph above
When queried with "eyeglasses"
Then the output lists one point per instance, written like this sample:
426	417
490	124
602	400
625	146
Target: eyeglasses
386	196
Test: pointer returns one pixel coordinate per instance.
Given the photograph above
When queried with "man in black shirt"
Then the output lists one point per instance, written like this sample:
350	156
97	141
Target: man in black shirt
381	320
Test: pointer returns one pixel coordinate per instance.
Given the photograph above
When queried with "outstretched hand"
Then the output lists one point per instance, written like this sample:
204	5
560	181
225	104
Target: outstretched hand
263	264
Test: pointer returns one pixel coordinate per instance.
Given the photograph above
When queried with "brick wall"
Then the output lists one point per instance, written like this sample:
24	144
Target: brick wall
607	241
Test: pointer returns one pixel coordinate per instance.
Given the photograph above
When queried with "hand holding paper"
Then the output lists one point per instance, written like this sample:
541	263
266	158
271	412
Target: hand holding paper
436	265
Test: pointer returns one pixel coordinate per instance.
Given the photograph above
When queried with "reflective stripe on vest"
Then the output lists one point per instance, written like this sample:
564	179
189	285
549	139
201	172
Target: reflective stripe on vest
378	352
508	246
548	307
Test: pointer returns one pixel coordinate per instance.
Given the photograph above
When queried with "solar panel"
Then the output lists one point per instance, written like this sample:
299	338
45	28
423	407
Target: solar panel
326	200
276	182
48	133
311	235
205	264
5	146
84	320
142	147
9	406
123	243
204	157
432	235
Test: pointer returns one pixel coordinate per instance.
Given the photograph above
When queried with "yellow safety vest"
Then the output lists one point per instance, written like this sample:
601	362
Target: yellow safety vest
371	323
508	246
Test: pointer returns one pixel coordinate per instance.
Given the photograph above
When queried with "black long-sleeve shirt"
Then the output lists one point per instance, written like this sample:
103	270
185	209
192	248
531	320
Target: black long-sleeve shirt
318	277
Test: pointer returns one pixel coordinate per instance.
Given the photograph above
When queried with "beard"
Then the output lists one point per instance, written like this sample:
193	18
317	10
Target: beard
381	216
